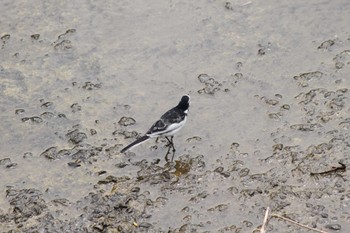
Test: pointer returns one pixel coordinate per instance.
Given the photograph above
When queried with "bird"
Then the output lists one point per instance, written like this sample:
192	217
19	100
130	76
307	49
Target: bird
168	124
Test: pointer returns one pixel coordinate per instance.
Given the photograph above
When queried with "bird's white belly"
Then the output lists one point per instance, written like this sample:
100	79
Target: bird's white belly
171	130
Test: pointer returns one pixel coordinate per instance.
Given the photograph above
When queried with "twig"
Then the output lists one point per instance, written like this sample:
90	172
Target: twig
296	223
342	168
262	230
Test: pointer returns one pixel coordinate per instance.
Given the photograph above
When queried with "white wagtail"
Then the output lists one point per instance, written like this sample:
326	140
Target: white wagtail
168	124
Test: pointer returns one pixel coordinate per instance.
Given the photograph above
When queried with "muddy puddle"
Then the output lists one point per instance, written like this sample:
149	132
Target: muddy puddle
268	124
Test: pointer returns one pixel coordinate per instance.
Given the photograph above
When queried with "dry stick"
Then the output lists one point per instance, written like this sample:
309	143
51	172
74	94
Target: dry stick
262	230
296	223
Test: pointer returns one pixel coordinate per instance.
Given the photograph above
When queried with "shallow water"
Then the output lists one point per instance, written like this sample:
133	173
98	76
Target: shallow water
269	115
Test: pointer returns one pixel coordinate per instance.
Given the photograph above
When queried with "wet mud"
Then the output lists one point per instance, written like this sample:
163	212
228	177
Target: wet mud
268	124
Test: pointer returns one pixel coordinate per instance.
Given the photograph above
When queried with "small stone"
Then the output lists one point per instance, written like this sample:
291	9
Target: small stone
203	78
238	76
52	153
75	107
99	227
343	90
126	121
126	134
75	136
135	189
261	52
339	65
71	30
47	104
219	169
35	36
233	190
91	86
244	172
5	161
61	201
228	6
309	76
279	96
113	149
187	218
221	207
47	115
101	173
74	164
85	154
113	179
121	165
326	44
27	154
63	45
93	132
225	174
305	127
5	37
11	165
271	101
33	120
145	225
234	146
334	227
274	116
247	224
285	107
277	147
195	138
19	111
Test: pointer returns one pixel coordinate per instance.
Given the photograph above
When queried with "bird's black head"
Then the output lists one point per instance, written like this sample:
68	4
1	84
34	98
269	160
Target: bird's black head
184	102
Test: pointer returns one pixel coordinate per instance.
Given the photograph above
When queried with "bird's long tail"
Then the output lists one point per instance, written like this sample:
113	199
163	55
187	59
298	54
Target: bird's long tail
135	143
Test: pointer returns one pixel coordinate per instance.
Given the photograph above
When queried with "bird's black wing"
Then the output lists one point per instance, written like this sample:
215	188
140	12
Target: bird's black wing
157	127
172	116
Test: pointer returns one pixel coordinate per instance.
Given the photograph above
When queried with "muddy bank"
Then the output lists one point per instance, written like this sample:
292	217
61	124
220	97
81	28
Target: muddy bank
268	125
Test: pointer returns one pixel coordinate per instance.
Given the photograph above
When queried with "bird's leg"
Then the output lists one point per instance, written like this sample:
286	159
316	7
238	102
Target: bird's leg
170	143
172	158
166	155
168	152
